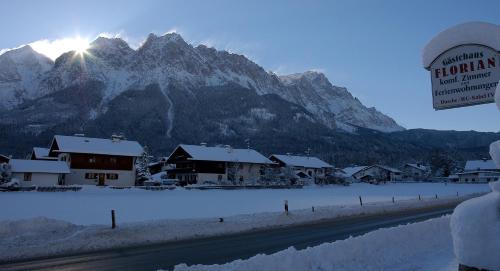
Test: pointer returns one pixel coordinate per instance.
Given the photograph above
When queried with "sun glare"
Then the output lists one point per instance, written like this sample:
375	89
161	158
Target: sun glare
54	48
80	45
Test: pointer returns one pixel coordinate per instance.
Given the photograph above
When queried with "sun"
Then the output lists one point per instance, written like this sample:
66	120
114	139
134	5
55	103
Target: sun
79	45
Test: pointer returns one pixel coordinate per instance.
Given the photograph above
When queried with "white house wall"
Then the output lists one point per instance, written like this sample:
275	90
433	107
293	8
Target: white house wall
37	179
249	172
77	176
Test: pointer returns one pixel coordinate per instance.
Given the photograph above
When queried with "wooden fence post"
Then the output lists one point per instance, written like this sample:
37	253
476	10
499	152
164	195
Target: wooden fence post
113	220
360	201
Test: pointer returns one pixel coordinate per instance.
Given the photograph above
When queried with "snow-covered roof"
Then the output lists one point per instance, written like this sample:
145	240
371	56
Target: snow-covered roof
389	168
5	157
80	144
467	33
302	161
40	152
349	171
38	166
479	171
224	154
479	165
418	166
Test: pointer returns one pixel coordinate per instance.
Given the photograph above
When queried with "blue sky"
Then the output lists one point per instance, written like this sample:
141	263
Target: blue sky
371	47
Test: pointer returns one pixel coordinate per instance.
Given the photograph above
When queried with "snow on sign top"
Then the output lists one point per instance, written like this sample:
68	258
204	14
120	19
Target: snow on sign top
467	33
38	166
480	165
302	161
80	144
464	64
224	154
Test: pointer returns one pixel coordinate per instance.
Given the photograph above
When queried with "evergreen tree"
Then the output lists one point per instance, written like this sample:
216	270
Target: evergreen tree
5	173
142	169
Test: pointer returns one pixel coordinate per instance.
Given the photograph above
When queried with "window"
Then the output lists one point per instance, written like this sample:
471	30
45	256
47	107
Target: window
113	160
27	177
111	176
92	160
90	176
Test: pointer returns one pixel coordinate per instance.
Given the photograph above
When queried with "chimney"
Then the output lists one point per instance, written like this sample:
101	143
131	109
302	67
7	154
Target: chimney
485	159
116	138
228	148
79	135
203	144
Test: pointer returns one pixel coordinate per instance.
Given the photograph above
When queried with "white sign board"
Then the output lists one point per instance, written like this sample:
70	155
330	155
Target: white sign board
465	75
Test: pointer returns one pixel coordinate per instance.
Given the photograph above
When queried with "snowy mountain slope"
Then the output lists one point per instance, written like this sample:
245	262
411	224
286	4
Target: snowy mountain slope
21	71
313	91
168	59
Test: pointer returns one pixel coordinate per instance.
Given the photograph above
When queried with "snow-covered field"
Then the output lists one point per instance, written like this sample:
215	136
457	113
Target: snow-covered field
28	228
420	246
92	205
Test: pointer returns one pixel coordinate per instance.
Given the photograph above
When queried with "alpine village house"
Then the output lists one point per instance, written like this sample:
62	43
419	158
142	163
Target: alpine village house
307	168
97	161
198	164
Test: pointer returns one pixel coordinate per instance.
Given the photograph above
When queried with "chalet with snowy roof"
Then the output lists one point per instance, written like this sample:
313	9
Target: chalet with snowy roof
377	174
38	172
484	164
479	171
198	164
304	166
41	154
97	161
4	159
416	172
350	173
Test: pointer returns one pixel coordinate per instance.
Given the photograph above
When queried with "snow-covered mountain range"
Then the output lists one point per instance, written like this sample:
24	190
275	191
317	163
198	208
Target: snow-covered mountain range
168	92
27	76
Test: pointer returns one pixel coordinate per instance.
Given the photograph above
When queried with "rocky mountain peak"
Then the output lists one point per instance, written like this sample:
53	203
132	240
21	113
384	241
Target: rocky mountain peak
157	42
103	43
26	55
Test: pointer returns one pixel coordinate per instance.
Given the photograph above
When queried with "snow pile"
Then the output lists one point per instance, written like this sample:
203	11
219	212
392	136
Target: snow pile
475	226
495	152
420	246
38	237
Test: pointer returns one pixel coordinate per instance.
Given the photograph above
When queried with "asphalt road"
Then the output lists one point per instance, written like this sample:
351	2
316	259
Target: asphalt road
222	249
